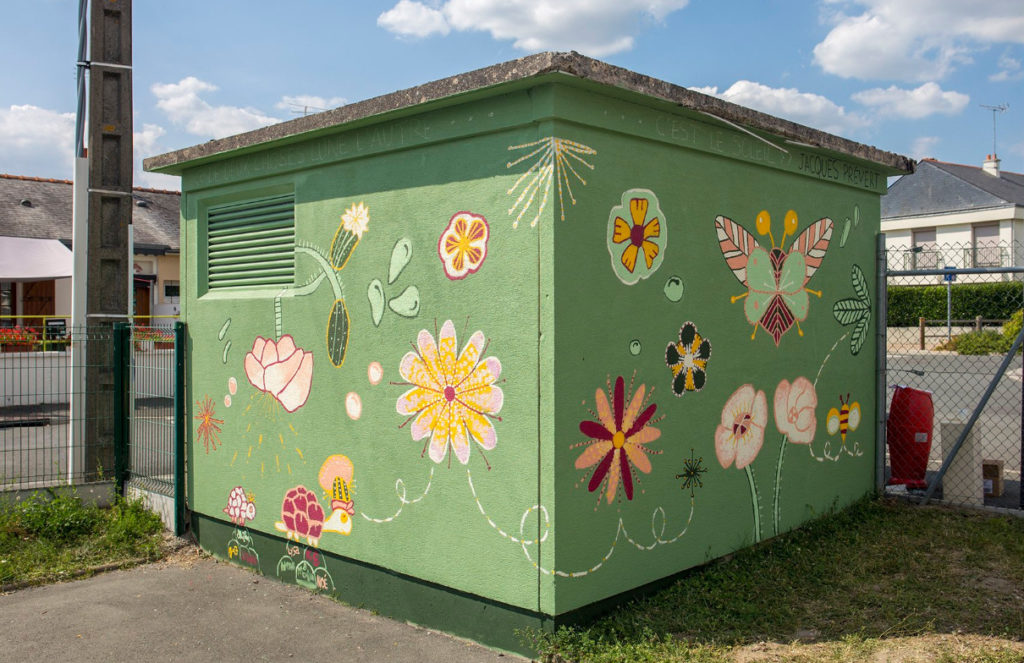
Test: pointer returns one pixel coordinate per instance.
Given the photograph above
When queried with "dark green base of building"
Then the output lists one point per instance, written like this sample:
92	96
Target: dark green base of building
362	585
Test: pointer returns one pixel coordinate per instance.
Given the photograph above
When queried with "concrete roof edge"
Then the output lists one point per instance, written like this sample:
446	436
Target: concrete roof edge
571	63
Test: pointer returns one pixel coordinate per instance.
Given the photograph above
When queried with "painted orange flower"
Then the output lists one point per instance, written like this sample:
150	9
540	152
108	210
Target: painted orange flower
639	234
462	246
617	442
208	431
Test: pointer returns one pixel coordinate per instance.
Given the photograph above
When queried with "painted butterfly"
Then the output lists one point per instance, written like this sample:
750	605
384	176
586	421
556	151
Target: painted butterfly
776	298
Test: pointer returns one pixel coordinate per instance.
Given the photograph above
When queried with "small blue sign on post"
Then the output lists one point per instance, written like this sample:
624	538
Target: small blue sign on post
949	276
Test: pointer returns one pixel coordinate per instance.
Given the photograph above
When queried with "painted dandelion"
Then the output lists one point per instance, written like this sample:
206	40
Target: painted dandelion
692	469
209	428
554	162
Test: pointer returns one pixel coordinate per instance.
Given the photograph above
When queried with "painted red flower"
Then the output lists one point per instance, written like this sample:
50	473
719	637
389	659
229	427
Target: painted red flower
617	442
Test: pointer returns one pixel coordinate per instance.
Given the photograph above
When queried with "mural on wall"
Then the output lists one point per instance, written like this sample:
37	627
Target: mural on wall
302	517
739	436
674	288
618	439
637	246
454	398
306	568
776	297
693	467
556	159
406	304
208	431
242	549
848	225
462	246
795	405
843	420
280	369
232	390
354	222
241	507
688	360
227	344
855	310
336	478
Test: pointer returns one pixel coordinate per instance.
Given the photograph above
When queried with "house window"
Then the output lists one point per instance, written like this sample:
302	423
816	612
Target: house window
985	246
925	254
6	300
172	290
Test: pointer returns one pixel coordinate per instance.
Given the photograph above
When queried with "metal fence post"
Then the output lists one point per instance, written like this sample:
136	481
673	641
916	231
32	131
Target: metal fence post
122	383
881	343
179	428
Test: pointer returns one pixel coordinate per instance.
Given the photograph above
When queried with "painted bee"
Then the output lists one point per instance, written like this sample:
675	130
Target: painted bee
845	419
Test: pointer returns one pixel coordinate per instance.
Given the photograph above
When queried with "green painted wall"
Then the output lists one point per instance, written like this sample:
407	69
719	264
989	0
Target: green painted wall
515	502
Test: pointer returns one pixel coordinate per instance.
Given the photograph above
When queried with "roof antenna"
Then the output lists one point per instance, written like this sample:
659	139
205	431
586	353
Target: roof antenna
1001	108
305	109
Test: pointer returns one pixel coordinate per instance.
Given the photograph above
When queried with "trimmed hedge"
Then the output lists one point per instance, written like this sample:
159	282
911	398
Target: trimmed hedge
993	301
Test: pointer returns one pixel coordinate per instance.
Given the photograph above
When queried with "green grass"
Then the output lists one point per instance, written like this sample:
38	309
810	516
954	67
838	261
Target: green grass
877	575
46	538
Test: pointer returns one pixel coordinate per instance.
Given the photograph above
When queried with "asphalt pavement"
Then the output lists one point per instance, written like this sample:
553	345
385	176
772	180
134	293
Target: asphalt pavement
194	608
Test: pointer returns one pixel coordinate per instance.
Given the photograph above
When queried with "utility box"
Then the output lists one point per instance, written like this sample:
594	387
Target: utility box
489	352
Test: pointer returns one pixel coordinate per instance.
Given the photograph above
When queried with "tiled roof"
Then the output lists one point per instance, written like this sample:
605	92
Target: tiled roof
41	208
937	187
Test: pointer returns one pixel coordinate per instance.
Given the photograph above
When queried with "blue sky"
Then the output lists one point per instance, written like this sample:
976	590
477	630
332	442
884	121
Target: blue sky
908	76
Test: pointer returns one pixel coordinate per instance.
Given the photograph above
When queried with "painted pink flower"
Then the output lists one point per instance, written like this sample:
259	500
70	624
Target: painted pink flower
738	438
463	245
454	398
617	442
794	410
280	369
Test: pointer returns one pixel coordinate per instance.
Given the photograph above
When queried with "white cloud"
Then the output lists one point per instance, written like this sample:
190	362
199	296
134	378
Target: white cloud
922	101
813	110
413	19
301	103
147	144
710	90
914	40
594	27
37	142
924	146
1009	69
183	105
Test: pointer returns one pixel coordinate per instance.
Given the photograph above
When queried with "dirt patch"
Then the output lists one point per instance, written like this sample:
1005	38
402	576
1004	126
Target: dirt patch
180	552
917	649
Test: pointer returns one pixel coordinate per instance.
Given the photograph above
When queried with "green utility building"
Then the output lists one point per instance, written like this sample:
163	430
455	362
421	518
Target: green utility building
486	352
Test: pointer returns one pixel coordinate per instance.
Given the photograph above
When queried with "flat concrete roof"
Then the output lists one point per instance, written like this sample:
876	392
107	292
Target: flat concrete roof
534	66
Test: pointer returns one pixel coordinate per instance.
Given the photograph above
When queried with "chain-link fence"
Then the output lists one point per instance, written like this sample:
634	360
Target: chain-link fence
953	314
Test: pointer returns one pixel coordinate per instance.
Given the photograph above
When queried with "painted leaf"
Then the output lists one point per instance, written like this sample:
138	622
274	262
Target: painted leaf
859	335
400	257
337	333
406	304
813	243
375	293
849	311
736	244
860	285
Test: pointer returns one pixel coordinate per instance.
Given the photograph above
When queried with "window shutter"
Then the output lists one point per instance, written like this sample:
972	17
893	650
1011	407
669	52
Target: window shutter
251	243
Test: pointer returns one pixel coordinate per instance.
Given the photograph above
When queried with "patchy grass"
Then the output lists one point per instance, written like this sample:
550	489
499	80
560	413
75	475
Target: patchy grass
46	538
881	580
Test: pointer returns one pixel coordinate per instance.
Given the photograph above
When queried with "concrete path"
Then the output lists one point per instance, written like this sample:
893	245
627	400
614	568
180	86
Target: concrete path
197	609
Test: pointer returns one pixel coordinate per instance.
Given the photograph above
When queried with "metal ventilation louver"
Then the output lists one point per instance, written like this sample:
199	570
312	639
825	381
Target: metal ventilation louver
251	243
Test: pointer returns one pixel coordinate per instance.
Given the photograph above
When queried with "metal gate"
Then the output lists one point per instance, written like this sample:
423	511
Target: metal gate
149	449
949	331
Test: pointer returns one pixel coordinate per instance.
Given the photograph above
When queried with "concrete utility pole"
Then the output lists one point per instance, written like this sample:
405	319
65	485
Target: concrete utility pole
110	215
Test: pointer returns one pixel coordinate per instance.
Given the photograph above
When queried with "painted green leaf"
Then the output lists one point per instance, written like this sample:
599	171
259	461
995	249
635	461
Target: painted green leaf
375	293
860	285
849	311
406	304
400	257
859	335
337	333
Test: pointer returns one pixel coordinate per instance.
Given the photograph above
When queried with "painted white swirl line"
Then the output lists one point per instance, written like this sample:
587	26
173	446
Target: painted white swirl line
621	531
522	522
400	492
